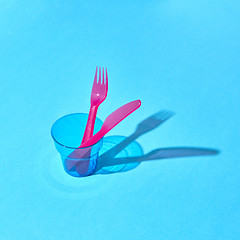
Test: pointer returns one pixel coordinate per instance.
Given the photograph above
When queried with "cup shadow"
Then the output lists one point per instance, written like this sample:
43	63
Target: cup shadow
113	158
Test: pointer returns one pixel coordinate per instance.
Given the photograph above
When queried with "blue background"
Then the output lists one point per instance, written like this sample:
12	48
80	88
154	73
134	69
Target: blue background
179	55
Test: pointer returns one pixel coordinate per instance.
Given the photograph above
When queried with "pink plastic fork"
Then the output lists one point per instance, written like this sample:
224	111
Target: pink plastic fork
98	95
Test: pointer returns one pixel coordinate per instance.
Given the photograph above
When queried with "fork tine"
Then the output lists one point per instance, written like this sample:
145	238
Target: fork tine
106	78
103	75
99	78
95	78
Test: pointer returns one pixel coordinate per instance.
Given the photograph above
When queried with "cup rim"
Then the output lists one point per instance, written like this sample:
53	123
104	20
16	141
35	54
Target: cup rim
69	146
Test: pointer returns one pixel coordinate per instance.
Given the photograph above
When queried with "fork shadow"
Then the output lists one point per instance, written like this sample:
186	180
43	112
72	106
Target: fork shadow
112	161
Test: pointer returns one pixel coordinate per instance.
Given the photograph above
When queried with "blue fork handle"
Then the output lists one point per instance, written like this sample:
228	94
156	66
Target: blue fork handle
90	123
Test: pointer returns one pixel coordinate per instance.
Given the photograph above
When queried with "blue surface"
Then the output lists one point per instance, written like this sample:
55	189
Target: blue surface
172	54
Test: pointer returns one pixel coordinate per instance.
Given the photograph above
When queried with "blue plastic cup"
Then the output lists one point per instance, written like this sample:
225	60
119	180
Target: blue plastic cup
67	133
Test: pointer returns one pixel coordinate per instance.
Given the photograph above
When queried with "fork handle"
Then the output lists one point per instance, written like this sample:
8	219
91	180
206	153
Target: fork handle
90	123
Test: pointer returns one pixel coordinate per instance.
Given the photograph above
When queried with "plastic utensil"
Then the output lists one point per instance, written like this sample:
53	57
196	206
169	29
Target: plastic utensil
98	95
112	120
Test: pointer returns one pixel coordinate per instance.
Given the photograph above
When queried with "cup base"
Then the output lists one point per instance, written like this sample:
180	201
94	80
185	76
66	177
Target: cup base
79	168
